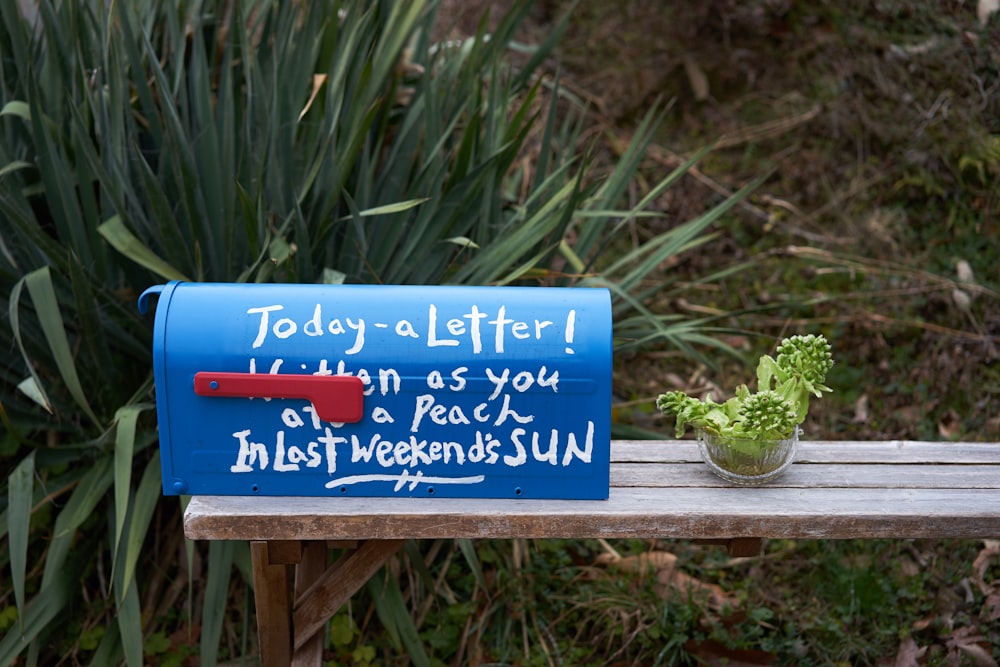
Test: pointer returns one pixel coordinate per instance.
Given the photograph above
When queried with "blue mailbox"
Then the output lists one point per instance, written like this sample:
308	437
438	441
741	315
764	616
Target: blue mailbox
317	390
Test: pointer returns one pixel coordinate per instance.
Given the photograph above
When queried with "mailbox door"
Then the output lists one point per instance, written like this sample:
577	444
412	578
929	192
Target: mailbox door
383	390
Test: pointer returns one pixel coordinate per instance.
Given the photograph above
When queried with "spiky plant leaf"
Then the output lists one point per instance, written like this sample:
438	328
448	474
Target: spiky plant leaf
125	426
220	564
392	611
43	295
115	232
20	486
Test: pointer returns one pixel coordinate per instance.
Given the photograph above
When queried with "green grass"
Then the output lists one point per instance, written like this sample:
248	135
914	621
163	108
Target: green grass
557	602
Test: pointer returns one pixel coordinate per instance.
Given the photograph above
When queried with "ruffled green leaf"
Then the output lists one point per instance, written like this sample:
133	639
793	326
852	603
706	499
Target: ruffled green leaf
775	410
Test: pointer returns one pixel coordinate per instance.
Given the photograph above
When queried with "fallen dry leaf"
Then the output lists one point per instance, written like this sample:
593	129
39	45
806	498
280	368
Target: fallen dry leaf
964	269
674	380
909	653
910	413
990	613
970	642
950	425
736	341
662	564
696	77
990	550
908	566
645	563
962	299
985	8
713	653
716	597
860	410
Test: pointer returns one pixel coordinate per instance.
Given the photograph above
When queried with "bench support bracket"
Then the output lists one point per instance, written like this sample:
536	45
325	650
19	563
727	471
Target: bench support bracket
296	593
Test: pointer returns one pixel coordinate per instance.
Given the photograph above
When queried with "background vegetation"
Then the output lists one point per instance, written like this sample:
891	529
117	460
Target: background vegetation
391	142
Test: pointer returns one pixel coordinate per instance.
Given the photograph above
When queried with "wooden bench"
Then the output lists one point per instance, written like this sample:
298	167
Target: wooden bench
835	490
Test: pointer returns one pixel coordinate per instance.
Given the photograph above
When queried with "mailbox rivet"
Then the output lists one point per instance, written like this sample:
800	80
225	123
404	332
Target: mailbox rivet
517	491
214	385
255	488
430	489
180	486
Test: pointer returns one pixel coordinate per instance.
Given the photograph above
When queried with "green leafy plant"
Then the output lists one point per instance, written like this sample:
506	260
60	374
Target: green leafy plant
774	411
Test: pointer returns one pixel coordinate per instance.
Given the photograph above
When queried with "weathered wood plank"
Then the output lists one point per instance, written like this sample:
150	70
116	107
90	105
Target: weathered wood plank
819	475
284	552
639	512
900	451
889	451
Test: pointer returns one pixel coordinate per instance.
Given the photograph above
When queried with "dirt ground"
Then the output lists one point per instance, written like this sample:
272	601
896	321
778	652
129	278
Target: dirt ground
879	127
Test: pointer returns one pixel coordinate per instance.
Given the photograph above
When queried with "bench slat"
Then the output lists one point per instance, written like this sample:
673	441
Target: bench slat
819	475
696	513
889	451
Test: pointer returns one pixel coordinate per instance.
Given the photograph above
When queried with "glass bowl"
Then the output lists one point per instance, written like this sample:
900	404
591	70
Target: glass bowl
747	461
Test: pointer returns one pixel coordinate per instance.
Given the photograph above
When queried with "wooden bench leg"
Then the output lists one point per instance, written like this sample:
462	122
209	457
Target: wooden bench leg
272	596
309	569
745	546
738	547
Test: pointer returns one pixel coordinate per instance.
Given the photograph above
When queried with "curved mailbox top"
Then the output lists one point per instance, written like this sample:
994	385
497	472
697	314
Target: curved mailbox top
317	390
